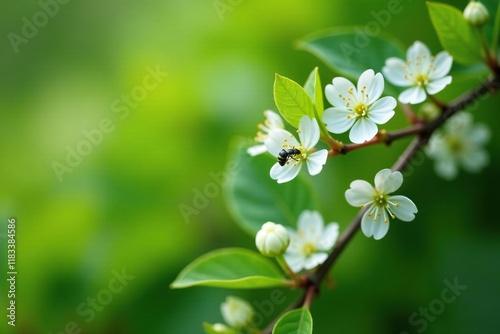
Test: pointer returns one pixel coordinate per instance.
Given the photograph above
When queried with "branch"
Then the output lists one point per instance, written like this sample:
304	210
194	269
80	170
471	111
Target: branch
423	132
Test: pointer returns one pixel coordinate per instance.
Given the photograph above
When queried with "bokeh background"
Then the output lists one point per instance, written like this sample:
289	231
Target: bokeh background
118	208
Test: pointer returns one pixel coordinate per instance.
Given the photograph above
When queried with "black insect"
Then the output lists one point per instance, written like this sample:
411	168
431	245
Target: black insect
286	155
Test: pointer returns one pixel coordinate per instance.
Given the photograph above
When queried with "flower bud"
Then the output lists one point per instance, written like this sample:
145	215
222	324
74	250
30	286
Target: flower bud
221	328
429	111
272	239
476	14
236	312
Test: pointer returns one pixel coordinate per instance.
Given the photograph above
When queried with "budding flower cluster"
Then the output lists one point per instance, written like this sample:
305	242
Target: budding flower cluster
272	239
476	14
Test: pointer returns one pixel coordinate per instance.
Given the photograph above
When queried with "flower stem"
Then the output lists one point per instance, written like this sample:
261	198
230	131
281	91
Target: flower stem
286	268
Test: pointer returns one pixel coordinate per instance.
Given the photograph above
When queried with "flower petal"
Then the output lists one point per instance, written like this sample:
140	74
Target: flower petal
329	236
256	150
338	92
480	134
360	193
380	229
311	224
277	138
363	129
418	50
316	161
395	71
332	95
365	80
338	120
314	260
308	132
475	160
435	86
382	110
442	65
405	210
373	228
446	168
274	120
285	173
412	95
374	88
387	181
295	261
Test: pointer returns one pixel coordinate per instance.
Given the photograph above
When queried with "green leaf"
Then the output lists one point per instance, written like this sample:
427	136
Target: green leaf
455	34
236	268
350	52
315	90
253	198
292	100
209	329
295	322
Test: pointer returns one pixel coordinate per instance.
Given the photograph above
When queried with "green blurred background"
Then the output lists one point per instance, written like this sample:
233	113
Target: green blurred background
118	209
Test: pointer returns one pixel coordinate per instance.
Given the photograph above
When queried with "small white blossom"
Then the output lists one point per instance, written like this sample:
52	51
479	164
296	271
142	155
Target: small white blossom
273	121
459	143
236	312
272	239
381	206
309	245
292	154
358	108
476	14
422	72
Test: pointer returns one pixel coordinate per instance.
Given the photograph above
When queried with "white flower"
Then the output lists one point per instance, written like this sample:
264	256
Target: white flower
359	109
422	72
375	221
273	121
236	312
309	245
292	154
272	239
476	14
459	143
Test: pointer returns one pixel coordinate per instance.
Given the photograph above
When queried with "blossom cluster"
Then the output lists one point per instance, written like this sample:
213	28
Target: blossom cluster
357	108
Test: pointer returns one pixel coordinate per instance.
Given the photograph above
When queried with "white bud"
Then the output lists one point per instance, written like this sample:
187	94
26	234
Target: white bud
476	14
272	239
236	312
